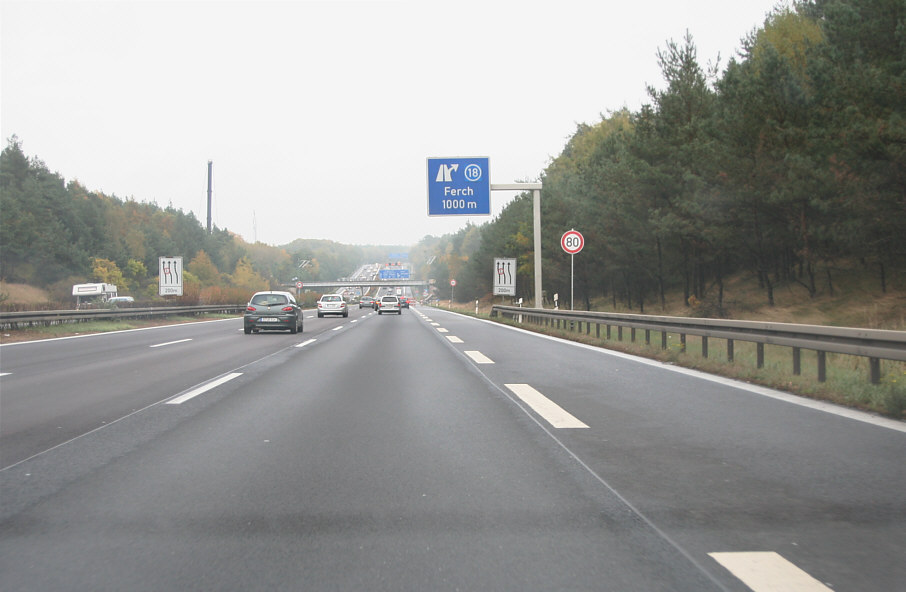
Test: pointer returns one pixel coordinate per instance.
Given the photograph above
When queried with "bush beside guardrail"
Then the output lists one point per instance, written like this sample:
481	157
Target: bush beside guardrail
874	344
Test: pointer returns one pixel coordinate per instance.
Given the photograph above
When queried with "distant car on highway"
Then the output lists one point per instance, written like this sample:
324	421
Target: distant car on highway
404	302
117	300
366	301
332	304
389	304
272	311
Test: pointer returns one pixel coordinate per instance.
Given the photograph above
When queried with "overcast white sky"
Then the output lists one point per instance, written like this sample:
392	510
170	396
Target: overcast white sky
318	116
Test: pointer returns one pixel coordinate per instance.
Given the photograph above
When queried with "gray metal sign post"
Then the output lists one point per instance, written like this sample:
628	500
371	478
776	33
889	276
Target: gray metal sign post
535	188
460	186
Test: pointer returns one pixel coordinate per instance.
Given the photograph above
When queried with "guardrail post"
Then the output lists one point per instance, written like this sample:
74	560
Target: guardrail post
597	330
682	340
729	350
822	366
875	365
759	347
619	332
663	340
797	362
632	334
705	346
647	336
608	332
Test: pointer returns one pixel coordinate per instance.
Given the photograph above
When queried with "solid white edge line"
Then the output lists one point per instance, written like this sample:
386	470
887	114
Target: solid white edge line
767	571
170	343
304	343
824	406
203	388
550	411
478	357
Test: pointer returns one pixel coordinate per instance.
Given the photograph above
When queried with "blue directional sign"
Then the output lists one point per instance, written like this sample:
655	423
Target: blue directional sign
459	186
394	274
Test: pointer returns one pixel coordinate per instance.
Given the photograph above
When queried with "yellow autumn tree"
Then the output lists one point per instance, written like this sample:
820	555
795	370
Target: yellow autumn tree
244	276
204	269
107	271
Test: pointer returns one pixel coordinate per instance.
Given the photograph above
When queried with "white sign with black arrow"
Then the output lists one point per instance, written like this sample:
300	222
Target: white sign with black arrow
504	277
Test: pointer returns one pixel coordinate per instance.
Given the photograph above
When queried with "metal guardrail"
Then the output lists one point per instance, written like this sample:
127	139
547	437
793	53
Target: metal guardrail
874	344
18	320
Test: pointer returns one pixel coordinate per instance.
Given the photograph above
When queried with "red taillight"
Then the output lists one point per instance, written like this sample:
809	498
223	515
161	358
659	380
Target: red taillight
287	309
251	308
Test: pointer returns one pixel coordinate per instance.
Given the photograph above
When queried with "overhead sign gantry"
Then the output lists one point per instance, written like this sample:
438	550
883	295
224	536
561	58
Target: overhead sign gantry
461	186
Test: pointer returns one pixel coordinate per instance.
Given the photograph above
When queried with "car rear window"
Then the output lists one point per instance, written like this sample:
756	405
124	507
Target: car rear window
269	299
330	298
389	299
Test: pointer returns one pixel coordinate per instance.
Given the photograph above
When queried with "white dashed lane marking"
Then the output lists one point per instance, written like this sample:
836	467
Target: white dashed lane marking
203	388
550	411
479	358
768	571
170	343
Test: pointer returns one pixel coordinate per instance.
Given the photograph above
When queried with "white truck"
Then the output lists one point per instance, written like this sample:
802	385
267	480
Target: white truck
93	292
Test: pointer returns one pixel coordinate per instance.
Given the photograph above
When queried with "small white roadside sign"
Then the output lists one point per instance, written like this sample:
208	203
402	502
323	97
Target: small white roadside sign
170	269
504	277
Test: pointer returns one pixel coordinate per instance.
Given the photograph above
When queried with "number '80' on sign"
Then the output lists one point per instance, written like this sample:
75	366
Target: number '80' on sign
572	241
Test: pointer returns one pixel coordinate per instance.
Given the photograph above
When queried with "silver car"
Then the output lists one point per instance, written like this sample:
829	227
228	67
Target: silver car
389	304
332	304
275	311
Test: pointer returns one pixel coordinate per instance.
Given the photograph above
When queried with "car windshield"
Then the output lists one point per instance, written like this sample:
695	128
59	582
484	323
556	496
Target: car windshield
269	299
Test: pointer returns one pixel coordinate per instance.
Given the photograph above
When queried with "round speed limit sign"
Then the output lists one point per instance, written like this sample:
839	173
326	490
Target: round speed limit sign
572	241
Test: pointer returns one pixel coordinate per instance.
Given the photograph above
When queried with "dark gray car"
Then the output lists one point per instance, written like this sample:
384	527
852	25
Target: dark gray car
272	311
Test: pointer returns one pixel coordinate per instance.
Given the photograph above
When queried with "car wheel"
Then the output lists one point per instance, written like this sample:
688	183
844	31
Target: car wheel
247	329
320	316
294	329
380	312
345	314
400	312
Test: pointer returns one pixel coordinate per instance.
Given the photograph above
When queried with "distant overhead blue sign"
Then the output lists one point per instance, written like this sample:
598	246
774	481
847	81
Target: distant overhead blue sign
394	274
459	186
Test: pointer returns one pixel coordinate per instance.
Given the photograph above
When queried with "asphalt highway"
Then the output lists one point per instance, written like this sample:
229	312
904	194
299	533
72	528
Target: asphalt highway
427	451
